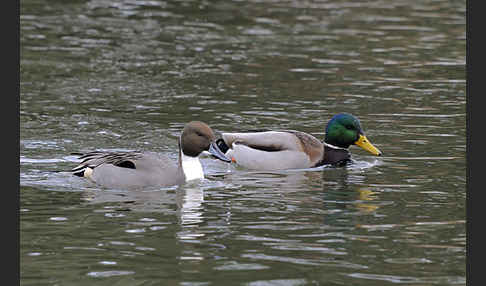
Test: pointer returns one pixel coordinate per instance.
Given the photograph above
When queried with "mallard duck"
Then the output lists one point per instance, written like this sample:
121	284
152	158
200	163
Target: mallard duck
289	149
143	169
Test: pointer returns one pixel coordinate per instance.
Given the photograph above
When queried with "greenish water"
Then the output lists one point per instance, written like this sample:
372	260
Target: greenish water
126	75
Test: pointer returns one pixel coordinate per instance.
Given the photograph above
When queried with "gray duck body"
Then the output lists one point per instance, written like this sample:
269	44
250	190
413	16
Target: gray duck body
127	170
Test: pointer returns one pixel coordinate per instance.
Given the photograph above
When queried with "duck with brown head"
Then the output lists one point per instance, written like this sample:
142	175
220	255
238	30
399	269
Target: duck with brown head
127	170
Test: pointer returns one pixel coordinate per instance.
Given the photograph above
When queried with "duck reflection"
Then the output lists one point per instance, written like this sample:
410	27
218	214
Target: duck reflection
190	214
366	196
189	206
339	187
189	202
287	181
147	200
343	191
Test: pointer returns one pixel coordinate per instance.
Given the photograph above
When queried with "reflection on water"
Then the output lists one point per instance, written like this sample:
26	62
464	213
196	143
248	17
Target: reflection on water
129	74
366	198
191	217
189	202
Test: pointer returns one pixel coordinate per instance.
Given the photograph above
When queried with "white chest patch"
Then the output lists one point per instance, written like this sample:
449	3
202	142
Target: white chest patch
192	167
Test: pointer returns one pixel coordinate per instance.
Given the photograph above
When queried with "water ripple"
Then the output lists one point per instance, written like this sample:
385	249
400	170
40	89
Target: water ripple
410	279
111	273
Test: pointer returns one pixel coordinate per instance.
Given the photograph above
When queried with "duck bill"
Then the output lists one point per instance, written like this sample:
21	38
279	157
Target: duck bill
216	152
364	143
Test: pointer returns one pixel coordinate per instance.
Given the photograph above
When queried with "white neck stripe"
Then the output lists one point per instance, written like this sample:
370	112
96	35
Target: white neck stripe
332	146
192	168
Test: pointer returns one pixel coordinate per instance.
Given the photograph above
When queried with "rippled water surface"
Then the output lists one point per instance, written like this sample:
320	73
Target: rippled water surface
127	75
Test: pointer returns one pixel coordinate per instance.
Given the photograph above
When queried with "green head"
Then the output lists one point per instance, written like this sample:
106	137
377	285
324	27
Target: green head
344	129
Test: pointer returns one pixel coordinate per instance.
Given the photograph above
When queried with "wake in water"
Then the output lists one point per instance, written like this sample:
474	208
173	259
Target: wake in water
352	164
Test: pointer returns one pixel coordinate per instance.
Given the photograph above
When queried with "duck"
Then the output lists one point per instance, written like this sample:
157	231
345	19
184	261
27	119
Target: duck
290	149
137	169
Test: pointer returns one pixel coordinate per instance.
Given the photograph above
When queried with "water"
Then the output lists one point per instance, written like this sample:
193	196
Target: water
126	75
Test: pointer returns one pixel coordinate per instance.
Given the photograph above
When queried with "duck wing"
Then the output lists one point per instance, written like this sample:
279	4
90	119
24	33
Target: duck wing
97	158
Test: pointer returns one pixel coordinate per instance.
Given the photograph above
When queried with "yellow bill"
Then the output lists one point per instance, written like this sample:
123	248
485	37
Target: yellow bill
364	143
